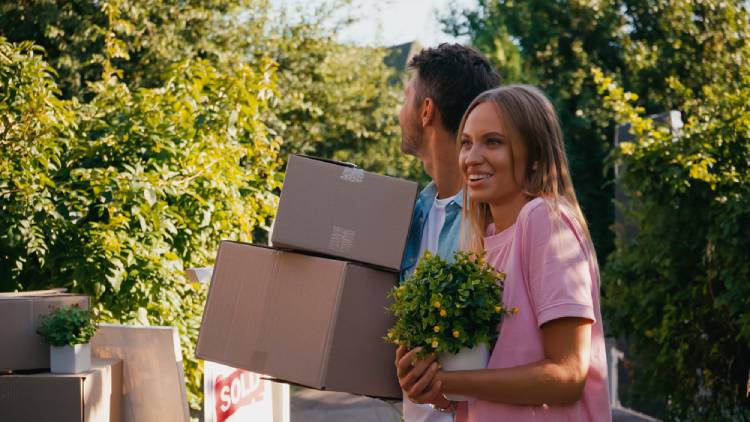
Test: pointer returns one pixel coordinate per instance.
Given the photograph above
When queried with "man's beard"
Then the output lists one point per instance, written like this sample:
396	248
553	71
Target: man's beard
412	138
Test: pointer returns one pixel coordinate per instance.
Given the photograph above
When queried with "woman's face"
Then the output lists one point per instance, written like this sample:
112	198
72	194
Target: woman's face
493	170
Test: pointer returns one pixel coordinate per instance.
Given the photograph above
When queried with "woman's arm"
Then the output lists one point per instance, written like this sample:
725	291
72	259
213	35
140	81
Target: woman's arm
557	380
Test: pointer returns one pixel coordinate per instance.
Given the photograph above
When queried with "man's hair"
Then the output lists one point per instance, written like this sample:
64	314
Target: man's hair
452	75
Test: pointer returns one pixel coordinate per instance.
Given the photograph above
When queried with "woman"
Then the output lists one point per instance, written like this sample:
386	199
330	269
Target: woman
549	360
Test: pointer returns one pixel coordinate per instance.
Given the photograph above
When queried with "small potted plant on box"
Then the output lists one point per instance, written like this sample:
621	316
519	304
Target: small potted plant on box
452	309
68	330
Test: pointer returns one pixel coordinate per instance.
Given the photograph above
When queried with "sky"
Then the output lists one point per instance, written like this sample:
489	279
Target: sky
391	22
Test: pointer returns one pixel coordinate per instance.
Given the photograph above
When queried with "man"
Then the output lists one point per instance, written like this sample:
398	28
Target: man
444	82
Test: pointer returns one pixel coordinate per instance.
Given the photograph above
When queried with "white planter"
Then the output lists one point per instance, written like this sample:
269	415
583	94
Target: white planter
70	359
466	359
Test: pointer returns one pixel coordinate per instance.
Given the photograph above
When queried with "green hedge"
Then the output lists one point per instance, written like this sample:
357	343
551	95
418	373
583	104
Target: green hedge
679	291
117	196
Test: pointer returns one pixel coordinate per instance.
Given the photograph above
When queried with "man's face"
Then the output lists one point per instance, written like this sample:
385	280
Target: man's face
412	135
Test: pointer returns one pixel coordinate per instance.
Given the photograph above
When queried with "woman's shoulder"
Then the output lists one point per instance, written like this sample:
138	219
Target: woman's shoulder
537	208
538	215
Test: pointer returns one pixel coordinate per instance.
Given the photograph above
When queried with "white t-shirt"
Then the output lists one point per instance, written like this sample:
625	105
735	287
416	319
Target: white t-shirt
435	219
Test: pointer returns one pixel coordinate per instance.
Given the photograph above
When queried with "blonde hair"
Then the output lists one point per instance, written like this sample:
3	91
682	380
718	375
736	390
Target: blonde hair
528	114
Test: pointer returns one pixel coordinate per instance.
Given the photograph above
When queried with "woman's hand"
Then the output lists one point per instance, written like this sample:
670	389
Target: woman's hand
417	377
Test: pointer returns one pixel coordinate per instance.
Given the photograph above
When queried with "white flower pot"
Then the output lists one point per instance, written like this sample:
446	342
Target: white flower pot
466	359
70	359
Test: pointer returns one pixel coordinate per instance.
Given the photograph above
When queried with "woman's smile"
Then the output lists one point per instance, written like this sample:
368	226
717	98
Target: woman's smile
477	179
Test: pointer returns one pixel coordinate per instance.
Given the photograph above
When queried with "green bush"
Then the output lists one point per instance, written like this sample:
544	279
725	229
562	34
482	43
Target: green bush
444	307
117	196
336	100
678	290
68	326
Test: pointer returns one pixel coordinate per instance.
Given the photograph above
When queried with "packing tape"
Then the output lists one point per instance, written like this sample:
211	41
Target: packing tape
342	239
353	175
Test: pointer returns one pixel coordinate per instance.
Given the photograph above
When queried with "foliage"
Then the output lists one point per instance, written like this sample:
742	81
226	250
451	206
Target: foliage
146	39
68	326
444	307
698	180
335	100
682	294
116	196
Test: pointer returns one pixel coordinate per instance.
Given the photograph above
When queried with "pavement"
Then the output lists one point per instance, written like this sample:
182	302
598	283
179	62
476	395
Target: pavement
324	406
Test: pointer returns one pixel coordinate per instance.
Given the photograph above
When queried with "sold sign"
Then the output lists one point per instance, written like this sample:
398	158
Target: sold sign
235	390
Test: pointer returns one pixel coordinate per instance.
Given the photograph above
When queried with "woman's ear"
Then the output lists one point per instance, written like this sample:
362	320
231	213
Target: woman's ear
534	166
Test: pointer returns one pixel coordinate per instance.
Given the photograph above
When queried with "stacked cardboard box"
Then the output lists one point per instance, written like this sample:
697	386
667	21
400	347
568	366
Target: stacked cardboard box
28	391
94	396
311	310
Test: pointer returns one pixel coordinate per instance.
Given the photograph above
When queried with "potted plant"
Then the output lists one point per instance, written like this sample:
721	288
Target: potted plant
68	330
450	308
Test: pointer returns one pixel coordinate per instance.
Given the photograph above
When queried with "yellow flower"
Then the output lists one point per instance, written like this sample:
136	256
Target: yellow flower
515	310
435	344
437	305
390	334
498	309
443	313
436	328
627	148
456	333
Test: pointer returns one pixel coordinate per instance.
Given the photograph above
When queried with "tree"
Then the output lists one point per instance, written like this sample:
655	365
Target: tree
116	196
335	100
679	289
148	38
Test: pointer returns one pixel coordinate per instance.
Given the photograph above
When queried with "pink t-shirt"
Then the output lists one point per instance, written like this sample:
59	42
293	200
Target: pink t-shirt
550	274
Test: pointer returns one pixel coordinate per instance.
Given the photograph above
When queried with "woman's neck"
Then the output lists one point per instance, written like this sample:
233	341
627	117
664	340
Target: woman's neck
504	213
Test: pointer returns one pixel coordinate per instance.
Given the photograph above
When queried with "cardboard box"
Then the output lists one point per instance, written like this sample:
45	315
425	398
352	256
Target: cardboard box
93	396
153	376
302	319
21	314
334	209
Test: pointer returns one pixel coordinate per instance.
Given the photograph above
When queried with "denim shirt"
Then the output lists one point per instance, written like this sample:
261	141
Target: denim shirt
448	241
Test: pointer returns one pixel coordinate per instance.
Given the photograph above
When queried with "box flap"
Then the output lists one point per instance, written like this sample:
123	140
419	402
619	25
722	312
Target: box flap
152	376
325	160
35	293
